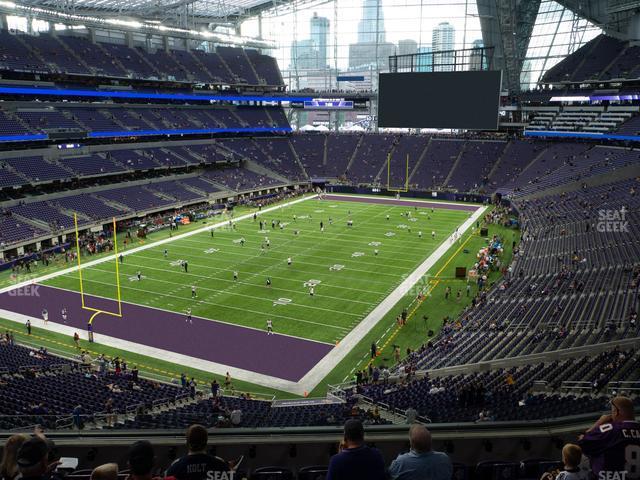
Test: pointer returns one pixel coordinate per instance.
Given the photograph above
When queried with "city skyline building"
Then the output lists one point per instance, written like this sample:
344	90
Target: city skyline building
371	25
477	59
425	59
443	43
320	37
371	49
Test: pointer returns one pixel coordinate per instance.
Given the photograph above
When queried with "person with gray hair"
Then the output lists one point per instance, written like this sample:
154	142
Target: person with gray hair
421	462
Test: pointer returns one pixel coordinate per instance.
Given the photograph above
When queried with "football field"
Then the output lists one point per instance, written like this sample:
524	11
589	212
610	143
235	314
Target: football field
242	278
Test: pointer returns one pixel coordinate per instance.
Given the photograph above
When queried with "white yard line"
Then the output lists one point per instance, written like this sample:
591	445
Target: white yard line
318	372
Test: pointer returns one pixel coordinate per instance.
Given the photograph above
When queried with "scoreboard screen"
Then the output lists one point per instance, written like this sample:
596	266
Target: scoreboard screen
456	100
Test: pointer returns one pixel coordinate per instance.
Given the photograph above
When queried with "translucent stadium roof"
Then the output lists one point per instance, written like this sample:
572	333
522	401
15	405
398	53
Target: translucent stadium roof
150	9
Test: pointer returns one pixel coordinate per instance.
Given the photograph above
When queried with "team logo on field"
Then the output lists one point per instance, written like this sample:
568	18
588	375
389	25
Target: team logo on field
211	250
413	219
176	263
303	217
134	278
375	244
389	234
312	283
238	240
357	254
333	206
282	301
402	226
336	267
423	213
284	224
318	211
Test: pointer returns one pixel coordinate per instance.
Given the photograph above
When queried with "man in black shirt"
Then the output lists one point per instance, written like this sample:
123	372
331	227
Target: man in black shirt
197	464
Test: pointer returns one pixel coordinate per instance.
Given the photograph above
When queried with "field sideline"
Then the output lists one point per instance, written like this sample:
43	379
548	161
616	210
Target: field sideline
351	280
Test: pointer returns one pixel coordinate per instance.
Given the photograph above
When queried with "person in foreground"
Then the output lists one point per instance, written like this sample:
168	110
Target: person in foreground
613	443
141	460
33	460
421	463
108	471
197	464
356	461
571	457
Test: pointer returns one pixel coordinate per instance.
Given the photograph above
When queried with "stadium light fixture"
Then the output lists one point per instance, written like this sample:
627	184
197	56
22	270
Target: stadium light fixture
142	26
124	23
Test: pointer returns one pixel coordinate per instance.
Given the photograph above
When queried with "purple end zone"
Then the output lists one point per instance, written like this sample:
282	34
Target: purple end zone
279	356
401	203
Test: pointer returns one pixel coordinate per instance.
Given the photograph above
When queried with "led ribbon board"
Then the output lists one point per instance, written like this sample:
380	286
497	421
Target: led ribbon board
66	92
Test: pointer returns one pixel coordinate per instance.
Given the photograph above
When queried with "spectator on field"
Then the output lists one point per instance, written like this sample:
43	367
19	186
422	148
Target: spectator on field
421	462
197	464
140	460
9	465
108	471
356	461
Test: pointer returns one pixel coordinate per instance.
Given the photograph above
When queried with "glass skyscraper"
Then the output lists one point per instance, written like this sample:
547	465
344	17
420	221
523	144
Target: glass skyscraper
443	40
320	37
371	25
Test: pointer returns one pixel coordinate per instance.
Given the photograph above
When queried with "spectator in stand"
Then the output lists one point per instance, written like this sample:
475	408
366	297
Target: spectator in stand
9	466
108	471
571	458
197	464
236	417
33	460
411	414
606	442
356	461
140	460
421	462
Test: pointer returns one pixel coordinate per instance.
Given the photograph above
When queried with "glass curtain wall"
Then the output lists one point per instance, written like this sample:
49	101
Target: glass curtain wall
343	44
557	33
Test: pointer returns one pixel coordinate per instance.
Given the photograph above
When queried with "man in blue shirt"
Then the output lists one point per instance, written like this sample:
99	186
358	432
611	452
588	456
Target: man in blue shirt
356	461
421	463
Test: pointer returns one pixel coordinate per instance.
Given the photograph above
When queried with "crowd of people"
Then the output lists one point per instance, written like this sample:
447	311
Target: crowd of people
599	452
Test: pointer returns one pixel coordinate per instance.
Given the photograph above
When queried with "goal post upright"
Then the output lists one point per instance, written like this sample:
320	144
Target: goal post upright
406	180
98	311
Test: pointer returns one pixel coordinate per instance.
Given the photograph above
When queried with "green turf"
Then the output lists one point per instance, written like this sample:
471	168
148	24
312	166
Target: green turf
385	333
341	300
